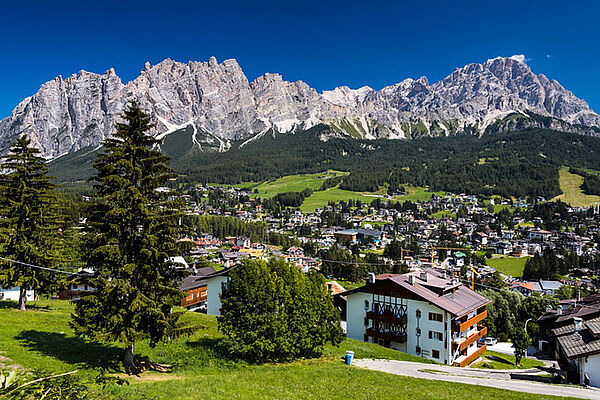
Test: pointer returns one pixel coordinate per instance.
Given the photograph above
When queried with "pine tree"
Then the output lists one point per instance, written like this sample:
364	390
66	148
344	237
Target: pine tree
134	233
28	226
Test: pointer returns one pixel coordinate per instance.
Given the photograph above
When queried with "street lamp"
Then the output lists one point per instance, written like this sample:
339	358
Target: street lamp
526	322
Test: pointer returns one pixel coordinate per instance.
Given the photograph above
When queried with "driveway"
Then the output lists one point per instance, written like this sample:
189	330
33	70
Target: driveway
496	378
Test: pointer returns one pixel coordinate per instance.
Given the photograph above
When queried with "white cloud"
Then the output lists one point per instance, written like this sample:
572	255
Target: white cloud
519	58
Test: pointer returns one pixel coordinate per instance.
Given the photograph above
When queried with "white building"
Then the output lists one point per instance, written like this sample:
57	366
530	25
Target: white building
578	350
14	292
423	313
214	287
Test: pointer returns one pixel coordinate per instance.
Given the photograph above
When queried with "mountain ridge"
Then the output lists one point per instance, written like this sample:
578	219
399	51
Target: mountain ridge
71	113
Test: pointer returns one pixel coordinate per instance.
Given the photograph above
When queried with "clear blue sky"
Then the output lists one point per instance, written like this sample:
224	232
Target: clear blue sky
324	43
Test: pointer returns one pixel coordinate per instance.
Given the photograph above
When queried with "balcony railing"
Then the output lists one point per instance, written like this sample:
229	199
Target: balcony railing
387	316
463	361
463	343
462	326
392	337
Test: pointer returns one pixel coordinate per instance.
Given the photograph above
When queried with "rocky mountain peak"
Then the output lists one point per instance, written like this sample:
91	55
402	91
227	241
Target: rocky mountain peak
218	100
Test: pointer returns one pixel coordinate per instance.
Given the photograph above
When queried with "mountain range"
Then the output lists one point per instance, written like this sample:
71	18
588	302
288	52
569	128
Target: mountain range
219	106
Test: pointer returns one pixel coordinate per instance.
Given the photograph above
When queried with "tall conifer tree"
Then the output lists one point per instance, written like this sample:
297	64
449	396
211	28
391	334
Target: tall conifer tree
28	225
134	233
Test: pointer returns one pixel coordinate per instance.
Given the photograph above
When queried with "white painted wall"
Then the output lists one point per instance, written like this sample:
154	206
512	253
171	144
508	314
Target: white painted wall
591	366
356	313
426	344
13	294
213	294
356	329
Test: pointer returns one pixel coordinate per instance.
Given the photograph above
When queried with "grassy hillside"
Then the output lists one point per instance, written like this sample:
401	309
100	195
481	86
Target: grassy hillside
570	185
295	183
512	266
41	339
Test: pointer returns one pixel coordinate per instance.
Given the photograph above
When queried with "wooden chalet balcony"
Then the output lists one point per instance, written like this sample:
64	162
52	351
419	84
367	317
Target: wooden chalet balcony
392	337
459	327
464	343
387	317
463	361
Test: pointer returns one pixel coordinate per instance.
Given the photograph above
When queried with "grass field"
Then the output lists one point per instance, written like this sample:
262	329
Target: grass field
495	360
570	184
512	266
321	198
41	339
295	183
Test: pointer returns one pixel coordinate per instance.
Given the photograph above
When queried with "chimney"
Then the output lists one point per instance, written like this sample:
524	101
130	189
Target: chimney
577	324
444	276
371	278
423	276
411	279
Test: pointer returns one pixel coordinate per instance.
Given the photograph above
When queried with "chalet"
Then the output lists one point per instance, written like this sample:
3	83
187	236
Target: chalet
423	313
78	287
525	288
195	288
578	350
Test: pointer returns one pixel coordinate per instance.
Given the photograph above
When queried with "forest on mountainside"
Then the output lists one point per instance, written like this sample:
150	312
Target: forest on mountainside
519	164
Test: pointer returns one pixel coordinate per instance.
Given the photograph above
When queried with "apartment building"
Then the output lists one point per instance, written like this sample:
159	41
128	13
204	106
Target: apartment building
424	313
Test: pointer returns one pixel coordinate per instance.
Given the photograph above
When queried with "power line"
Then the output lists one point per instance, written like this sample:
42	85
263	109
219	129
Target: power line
36	266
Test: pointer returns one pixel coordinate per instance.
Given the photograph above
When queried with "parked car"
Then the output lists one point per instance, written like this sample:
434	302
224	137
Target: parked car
490	341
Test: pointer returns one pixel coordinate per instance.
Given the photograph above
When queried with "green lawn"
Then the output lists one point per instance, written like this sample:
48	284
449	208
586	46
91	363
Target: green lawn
495	360
570	184
321	198
417	193
295	183
512	266
41	339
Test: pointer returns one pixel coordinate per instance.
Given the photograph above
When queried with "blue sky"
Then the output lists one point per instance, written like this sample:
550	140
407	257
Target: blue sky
324	43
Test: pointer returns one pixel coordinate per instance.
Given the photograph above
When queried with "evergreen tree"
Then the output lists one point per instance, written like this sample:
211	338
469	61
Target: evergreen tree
274	312
29	224
134	231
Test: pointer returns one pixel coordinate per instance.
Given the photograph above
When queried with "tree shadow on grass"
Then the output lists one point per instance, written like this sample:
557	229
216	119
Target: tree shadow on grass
8	304
499	359
212	349
73	350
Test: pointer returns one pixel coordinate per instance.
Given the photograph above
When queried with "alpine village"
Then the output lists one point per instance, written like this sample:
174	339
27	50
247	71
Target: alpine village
189	231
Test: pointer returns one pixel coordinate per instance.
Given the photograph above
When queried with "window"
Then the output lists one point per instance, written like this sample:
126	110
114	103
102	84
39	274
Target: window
436	317
366	304
436	335
418	331
418	350
418	313
435	353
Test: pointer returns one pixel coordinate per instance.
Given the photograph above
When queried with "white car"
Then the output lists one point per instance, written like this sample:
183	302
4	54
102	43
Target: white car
490	341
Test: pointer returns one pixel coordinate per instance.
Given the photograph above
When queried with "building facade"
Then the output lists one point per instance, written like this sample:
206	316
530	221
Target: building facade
421	313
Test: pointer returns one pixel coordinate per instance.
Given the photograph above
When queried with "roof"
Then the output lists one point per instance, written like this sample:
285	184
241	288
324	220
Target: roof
445	293
196	280
550	285
575	344
525	285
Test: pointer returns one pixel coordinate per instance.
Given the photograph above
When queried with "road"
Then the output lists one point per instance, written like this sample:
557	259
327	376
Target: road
500	379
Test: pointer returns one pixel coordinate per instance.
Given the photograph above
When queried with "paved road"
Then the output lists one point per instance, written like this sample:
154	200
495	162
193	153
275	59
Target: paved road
497	379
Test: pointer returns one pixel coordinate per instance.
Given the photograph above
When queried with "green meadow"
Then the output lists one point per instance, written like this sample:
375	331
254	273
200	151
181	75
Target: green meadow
41	339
